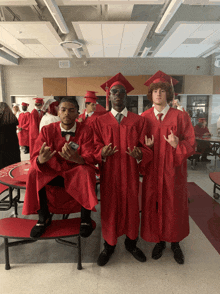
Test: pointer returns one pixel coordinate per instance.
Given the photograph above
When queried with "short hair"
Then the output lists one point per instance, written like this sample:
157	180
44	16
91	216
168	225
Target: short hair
71	100
165	86
87	103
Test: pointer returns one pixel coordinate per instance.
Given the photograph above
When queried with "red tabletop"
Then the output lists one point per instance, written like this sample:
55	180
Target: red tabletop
215	177
15	175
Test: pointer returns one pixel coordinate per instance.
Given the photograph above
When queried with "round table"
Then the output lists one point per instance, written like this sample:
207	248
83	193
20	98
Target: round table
14	176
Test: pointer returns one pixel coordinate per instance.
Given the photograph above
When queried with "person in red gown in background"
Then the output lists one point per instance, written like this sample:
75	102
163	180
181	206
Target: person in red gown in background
55	163
35	118
164	197
201	131
23	127
92	108
121	153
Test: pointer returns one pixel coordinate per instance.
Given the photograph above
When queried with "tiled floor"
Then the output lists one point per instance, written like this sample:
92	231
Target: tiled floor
123	274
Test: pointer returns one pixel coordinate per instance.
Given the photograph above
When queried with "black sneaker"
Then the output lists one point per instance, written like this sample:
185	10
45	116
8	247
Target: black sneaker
178	254
158	250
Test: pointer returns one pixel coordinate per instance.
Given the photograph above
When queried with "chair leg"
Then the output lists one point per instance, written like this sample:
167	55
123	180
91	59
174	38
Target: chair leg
79	266
7	264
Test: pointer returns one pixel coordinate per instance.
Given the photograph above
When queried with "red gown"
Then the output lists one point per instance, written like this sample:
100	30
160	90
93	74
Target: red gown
79	180
34	128
119	175
199	132
23	135
164	196
89	120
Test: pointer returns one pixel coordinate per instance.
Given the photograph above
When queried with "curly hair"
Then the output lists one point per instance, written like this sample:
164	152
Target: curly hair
165	86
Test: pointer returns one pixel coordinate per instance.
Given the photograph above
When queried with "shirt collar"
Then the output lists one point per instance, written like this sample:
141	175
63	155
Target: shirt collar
37	108
164	111
124	112
89	114
73	129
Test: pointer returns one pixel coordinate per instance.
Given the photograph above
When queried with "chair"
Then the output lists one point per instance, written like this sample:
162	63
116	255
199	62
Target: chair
194	159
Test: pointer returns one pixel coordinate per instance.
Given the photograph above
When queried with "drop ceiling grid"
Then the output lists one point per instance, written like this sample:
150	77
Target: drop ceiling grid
43	32
86	2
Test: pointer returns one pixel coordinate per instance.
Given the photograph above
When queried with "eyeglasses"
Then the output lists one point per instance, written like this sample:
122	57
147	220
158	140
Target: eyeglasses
121	91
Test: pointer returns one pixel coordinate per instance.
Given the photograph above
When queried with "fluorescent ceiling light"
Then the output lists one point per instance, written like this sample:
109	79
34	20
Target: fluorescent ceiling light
216	49
169	13
56	14
145	52
9	52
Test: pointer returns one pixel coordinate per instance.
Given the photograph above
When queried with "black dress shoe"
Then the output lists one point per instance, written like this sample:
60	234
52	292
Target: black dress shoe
137	253
178	254
203	159
86	229
158	250
40	227
105	254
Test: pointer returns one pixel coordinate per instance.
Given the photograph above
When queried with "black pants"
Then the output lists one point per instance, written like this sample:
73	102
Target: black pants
59	181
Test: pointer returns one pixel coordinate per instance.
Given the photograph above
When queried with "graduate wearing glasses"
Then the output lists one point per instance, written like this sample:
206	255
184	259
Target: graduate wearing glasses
121	152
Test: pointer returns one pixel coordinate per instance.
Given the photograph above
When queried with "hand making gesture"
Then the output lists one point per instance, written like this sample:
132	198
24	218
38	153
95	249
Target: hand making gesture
136	153
172	139
149	142
108	151
69	154
45	154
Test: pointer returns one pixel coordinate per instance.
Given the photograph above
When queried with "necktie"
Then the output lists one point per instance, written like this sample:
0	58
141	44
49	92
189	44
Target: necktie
68	133
87	116
160	116
119	117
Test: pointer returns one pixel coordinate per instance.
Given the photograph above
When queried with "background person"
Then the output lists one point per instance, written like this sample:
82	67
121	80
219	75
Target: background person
202	131
51	113
23	127
9	148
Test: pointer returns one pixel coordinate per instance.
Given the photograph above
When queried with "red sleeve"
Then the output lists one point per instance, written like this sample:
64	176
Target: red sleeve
146	151
98	142
186	146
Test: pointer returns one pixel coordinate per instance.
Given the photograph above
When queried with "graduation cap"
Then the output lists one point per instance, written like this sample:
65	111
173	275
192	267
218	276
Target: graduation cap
24	104
39	100
118	79
91	96
160	76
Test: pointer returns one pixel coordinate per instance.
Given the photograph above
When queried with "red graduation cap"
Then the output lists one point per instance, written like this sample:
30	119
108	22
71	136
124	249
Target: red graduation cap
39	100
91	96
24	104
160	76
118	79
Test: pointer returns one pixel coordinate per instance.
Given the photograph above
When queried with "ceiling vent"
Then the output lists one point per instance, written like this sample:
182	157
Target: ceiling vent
64	64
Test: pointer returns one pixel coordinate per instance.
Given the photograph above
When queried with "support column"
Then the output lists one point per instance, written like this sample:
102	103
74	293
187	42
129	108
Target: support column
140	104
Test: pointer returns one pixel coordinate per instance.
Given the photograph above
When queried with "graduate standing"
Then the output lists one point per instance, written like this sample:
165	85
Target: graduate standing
164	197
23	127
121	153
92	108
55	163
35	118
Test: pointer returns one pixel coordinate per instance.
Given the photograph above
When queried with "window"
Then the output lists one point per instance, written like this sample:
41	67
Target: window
197	107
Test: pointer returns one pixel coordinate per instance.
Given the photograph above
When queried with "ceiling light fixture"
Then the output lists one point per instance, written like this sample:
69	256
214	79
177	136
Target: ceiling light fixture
145	52
169	13
57	16
9	52
74	45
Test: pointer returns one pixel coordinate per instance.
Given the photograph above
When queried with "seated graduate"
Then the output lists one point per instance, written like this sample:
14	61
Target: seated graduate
201	131
55	163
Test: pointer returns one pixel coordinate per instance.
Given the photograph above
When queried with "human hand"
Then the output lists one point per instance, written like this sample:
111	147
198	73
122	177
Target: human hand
149	142
45	154
136	153
69	154
80	119
108	151
172	139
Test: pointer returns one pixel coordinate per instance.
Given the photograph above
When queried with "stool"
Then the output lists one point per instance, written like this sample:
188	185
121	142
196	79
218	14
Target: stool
8	201
18	228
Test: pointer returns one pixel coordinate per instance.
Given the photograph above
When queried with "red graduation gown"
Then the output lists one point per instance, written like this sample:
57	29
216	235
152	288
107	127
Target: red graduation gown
89	120
119	175
165	182
199	132
34	128
23	135
79	180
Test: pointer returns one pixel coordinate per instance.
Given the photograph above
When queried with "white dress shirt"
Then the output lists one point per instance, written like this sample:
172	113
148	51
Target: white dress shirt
164	111
89	114
73	129
124	112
